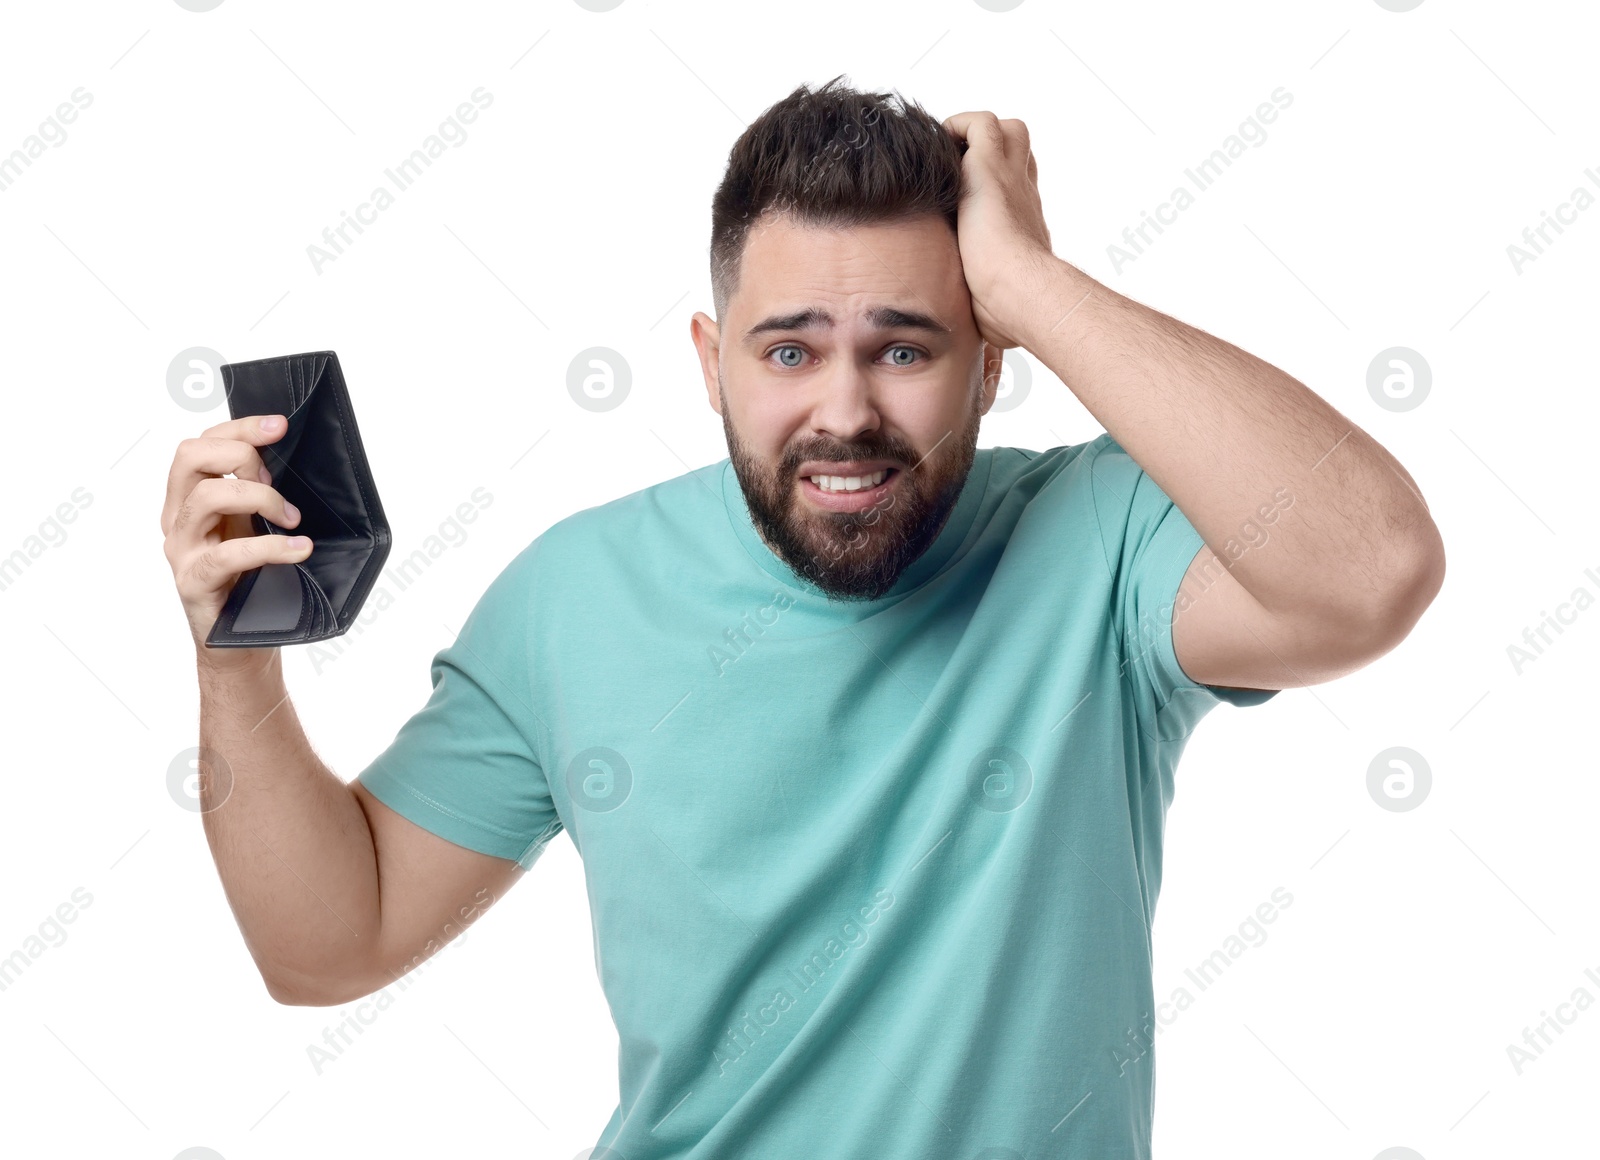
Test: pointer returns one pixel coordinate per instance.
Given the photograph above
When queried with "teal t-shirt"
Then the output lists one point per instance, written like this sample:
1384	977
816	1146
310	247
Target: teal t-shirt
866	879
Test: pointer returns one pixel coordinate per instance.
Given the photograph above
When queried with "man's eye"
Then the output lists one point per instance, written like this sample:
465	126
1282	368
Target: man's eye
794	356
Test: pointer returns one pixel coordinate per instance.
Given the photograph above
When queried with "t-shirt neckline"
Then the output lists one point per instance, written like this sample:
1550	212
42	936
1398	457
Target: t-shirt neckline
922	569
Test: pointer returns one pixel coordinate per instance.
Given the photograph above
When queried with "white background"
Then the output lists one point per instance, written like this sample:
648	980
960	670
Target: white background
1378	211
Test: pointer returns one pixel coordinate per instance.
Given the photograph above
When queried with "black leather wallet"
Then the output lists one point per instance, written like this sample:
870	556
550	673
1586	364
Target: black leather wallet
319	466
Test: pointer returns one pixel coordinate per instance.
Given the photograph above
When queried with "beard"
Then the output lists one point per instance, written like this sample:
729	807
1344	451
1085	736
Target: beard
854	555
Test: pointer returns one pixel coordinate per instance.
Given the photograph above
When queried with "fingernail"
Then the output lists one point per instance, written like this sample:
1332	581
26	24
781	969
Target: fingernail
270	423
264	475
292	511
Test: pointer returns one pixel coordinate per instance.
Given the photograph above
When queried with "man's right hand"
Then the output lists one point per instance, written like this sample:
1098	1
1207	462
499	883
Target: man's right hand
206	519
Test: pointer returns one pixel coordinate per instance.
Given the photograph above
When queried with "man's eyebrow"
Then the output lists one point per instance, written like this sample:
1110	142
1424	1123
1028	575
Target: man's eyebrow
880	317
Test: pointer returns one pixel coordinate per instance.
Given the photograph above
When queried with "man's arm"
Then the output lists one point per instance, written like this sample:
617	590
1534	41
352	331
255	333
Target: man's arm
1354	559
335	893
1350	557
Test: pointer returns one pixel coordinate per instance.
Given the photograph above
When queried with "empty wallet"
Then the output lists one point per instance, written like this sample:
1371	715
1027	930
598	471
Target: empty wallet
318	465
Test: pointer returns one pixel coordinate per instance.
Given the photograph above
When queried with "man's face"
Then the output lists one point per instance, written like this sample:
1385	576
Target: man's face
849	354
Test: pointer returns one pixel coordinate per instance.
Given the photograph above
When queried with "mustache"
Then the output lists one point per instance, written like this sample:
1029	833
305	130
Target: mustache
835	453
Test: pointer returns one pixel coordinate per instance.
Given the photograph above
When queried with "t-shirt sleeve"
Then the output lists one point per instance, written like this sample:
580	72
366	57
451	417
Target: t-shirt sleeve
466	765
1149	545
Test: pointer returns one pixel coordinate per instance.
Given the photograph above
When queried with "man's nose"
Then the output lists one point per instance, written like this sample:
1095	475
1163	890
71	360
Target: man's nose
846	403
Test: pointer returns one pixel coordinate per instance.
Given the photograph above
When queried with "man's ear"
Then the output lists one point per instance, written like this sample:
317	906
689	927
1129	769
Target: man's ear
706	333
993	364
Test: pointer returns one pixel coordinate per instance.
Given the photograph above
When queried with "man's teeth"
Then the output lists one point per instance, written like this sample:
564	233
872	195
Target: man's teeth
849	482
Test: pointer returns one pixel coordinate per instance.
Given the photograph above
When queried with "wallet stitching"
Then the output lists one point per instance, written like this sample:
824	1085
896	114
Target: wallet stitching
369	573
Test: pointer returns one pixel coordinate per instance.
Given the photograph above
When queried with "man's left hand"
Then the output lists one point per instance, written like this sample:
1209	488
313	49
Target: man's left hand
1004	243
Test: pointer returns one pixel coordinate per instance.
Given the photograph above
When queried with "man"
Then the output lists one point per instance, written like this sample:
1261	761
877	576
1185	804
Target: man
865	736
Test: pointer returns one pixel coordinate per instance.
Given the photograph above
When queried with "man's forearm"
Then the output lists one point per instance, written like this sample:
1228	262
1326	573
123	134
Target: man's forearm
290	840
1220	431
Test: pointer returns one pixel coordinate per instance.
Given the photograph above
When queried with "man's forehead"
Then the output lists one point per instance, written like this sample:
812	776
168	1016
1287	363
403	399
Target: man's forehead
879	316
803	276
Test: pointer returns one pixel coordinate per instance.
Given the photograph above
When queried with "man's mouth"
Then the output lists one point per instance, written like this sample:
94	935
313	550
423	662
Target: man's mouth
849	493
836	483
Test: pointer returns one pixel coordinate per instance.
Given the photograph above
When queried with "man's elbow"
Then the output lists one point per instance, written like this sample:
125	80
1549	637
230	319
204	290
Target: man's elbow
303	992
1409	587
292	996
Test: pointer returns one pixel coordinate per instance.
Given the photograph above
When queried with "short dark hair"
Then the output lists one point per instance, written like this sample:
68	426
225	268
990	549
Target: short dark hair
835	156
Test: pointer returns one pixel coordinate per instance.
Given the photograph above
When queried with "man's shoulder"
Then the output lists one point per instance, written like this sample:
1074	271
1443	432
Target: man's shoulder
1063	466
1039	500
